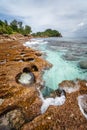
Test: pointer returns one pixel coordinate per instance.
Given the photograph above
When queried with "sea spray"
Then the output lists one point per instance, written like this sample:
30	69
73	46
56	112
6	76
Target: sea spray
57	101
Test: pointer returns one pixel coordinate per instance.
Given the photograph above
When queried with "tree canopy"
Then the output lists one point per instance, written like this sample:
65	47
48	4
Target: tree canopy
14	27
17	27
48	33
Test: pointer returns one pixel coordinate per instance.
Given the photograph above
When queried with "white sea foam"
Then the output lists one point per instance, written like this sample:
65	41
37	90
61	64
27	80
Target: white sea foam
34	42
57	101
25	78
82	102
86	84
70	89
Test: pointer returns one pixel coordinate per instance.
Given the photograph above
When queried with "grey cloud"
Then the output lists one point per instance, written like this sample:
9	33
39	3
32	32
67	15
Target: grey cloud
81	31
64	15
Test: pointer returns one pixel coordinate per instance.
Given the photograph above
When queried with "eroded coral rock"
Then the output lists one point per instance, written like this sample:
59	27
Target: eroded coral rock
12	120
18	102
70	86
67	116
22	104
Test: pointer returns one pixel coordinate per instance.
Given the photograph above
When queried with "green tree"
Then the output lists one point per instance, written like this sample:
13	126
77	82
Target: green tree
20	25
14	25
48	33
27	30
1	23
6	23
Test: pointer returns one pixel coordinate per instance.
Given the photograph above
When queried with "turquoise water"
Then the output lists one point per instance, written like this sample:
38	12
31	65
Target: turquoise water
65	56
61	70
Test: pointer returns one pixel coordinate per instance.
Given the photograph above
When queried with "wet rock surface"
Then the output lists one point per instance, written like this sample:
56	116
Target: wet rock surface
67	116
83	64
13	37
20	104
70	86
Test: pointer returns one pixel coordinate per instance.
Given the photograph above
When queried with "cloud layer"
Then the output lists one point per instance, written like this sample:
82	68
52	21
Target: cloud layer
64	15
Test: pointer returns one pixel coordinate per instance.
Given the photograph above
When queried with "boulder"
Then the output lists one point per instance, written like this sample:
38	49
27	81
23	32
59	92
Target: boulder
69	86
83	64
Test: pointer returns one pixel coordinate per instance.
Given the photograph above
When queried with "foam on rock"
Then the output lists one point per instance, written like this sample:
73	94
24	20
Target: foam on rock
71	89
57	101
69	86
82	102
26	78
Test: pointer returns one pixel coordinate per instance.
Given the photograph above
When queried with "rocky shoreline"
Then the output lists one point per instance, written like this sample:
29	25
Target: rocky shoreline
20	103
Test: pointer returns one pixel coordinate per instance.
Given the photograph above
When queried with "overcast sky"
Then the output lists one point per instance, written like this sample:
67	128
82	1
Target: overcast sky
67	16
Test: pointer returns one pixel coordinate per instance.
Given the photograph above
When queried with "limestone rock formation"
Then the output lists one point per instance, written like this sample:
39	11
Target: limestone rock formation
19	102
67	116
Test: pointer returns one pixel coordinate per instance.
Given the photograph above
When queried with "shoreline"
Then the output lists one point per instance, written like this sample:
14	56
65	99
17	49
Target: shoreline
23	101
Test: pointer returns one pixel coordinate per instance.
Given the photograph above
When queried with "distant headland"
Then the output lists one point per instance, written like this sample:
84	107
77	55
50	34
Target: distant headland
17	27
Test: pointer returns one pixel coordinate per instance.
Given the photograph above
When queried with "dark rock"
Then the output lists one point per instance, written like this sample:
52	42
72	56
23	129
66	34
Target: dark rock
46	91
30	59
26	70
34	68
57	93
83	64
15	118
12	120
3	127
49	92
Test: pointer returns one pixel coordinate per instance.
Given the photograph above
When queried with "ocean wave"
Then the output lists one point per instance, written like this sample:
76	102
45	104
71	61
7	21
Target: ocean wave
34	42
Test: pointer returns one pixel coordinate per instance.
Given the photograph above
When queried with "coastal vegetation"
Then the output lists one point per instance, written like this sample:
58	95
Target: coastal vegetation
48	33
17	27
14	27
